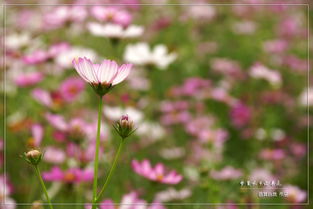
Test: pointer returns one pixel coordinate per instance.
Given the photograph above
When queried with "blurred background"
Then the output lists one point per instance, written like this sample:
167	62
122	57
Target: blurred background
219	92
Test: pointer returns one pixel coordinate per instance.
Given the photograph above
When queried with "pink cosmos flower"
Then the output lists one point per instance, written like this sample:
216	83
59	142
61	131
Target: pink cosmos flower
101	76
129	201
227	67
58	48
37	133
111	14
294	194
272	154
175	112
28	79
71	175
226	173
71	88
275	46
42	96
194	87
54	155
62	15
83	155
57	121
157	173
36	57
40	56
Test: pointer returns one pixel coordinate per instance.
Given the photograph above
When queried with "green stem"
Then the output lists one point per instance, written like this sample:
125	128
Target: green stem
111	170
43	186
95	180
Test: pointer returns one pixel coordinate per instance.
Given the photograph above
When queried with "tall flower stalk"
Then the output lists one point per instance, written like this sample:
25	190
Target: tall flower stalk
96	163
124	127
34	157
101	77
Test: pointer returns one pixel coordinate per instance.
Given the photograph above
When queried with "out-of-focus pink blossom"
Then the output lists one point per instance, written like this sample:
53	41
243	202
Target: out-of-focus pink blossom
112	14
28	79
115	31
61	15
261	72
58	48
227	67
40	56
71	88
54	155
59	136
37	133
36	57
290	27
43	97
175	112
240	114
72	175
172	194
6	190
226	173
272	154
201	13
275	46
244	27
156	173
136	203
295	63
105	204
298	149
56	121
294	194
194	86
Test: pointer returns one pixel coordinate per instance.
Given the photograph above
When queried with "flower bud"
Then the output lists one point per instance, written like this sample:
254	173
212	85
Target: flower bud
33	157
124	127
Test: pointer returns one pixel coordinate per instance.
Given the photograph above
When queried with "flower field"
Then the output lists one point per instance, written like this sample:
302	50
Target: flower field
135	104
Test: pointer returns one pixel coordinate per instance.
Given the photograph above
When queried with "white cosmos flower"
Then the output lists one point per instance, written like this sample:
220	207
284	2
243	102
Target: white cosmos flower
107	73
16	41
114	30
261	72
306	97
64	59
140	54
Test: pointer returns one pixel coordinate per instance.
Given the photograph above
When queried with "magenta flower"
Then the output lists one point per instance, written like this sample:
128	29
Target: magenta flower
72	175
71	88
157	173
240	115
101	76
28	79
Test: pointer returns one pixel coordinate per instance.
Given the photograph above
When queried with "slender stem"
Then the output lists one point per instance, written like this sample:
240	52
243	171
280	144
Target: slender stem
43	186
111	170
95	180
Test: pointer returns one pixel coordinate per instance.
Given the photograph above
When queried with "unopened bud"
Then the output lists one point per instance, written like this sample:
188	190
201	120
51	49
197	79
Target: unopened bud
33	157
124	127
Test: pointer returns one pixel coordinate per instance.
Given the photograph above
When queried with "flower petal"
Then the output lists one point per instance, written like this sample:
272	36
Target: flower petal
107	71
122	74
